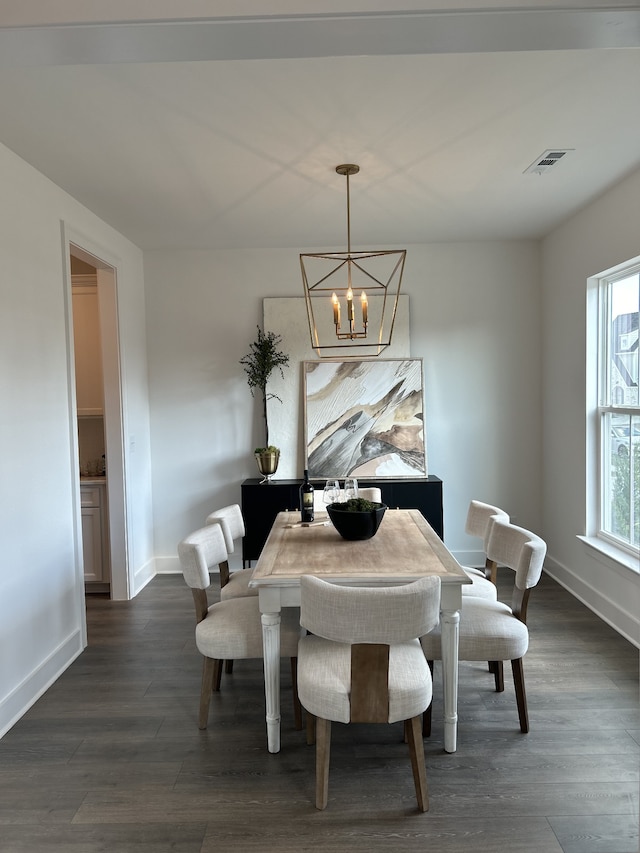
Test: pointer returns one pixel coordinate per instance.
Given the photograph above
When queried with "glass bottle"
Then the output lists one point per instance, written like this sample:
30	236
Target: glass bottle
306	499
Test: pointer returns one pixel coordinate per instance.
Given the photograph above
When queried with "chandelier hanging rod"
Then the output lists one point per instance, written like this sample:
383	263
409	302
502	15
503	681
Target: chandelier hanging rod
346	170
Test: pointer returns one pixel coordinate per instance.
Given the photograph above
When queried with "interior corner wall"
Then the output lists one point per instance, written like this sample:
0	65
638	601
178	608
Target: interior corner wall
602	235
41	583
474	320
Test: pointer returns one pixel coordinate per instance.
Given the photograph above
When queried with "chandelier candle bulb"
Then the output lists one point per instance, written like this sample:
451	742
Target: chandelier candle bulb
336	310
365	309
350	305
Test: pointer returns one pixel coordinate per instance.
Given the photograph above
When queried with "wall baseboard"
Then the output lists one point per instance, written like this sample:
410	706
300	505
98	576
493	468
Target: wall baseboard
167	565
142	576
16	703
470	559
626	624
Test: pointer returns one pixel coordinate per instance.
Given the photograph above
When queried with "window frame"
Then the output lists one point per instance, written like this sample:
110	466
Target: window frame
614	546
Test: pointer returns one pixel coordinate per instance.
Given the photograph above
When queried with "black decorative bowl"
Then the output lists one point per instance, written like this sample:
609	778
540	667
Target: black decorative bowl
356	525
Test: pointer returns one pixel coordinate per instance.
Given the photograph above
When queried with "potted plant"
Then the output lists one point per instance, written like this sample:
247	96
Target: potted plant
259	363
356	518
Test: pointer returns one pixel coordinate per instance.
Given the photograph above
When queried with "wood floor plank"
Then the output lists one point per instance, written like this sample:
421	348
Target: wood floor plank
130	838
411	832
597	834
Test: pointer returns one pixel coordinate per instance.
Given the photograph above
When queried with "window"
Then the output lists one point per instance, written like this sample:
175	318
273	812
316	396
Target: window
619	410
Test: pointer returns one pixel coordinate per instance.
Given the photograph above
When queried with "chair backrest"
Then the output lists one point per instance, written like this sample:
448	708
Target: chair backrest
232	523
348	614
479	518
200	552
372	493
519	550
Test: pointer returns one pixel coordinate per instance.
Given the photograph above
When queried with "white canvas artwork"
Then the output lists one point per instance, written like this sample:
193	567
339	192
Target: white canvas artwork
364	418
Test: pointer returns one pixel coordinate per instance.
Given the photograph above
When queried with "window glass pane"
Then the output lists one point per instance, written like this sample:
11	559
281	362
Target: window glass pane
623	345
621	477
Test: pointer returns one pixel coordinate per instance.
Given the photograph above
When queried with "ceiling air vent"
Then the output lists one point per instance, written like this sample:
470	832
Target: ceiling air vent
546	161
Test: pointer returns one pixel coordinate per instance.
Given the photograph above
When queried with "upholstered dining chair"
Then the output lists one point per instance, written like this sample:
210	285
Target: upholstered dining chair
493	631
229	629
480	517
362	663
370	493
232	584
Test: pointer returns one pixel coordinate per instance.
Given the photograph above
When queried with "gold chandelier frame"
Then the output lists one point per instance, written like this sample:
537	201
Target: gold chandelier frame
372	277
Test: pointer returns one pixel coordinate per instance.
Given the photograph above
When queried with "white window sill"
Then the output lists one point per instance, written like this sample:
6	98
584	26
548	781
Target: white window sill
610	555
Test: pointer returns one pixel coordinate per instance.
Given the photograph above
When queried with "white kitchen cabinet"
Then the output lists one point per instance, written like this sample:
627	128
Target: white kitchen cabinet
93	500
87	347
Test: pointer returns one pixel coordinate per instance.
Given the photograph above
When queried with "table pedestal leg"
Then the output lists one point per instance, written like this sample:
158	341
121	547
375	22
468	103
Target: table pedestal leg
271	651
450	626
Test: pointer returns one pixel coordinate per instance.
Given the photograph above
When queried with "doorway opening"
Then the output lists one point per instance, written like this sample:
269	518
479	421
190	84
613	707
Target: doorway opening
100	462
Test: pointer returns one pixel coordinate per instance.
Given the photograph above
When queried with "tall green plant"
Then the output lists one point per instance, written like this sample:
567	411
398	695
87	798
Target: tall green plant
259	363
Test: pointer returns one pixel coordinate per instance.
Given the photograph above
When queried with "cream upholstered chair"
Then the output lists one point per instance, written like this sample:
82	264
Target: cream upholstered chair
230	629
372	493
480	516
362	663
490	630
232	584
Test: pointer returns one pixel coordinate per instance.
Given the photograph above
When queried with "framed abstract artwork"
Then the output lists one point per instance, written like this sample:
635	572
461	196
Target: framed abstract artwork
364	418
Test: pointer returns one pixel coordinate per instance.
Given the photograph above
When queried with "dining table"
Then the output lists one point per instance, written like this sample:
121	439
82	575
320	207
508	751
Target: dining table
404	549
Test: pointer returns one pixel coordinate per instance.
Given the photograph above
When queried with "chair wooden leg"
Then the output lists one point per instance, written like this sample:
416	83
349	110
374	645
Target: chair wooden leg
416	751
498	675
217	677
426	717
426	721
208	670
311	729
521	696
323	754
297	707
228	667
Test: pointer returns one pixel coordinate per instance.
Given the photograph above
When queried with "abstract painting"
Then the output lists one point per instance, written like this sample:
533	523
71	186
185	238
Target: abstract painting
364	418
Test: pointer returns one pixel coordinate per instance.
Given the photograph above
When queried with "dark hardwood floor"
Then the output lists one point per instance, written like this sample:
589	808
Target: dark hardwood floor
110	759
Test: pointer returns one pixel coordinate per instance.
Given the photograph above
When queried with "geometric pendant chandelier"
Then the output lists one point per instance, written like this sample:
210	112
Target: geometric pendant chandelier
351	297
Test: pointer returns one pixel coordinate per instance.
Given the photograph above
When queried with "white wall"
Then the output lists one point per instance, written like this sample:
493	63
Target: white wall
601	236
475	320
41	588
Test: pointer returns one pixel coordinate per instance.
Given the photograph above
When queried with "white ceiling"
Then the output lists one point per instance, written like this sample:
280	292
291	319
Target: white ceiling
443	112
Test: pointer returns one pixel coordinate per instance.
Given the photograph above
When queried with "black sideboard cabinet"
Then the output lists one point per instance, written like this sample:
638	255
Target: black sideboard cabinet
261	504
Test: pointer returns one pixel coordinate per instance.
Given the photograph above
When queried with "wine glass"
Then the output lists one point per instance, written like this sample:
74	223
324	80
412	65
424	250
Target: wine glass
331	492
350	488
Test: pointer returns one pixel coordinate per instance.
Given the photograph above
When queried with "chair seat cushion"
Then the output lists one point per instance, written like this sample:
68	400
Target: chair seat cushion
238	585
232	630
471	571
480	586
324	679
488	631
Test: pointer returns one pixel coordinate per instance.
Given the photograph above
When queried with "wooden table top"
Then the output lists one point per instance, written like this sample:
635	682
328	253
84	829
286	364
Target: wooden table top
404	549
